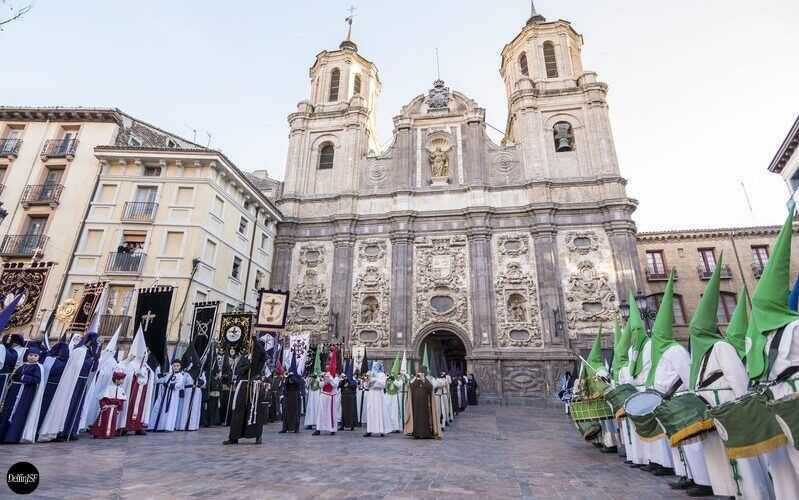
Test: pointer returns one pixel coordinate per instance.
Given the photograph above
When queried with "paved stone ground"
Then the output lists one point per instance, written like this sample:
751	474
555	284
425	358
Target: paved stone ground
490	452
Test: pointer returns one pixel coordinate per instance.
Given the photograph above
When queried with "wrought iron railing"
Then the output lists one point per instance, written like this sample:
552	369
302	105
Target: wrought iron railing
705	273
125	262
24	245
42	193
139	211
660	275
60	148
110	322
10	147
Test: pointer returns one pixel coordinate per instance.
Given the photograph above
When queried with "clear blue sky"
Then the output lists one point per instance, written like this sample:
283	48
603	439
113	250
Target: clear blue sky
701	93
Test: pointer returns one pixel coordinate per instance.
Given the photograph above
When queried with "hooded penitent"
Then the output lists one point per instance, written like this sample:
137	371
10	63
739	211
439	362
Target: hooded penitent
637	336
8	312
736	330
662	333
621	346
395	368
703	329
426	360
317	362
332	361
364	369
595	361
404	364
770	302
348	373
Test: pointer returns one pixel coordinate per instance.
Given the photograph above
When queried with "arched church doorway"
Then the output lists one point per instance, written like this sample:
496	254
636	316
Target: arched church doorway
446	352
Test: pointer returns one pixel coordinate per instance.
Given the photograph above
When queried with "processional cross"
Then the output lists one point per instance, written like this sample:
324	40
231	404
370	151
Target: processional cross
272	303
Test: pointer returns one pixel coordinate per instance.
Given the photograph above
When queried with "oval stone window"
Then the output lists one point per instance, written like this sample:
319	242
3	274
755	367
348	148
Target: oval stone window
307	311
368	335
519	335
442	303
312	256
592	307
582	242
513	245
371	250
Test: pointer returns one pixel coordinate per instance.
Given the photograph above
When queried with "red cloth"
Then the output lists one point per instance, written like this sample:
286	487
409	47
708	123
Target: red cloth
138	394
106	425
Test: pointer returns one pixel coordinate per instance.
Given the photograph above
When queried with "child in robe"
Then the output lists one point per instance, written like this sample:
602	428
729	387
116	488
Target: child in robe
111	403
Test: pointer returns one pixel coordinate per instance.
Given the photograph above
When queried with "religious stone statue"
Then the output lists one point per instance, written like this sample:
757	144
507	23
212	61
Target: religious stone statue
369	310
439	163
516	309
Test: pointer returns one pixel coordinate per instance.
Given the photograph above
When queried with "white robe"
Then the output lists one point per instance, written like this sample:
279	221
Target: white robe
375	422
785	475
361	400
676	362
731	385
192	405
54	421
440	398
327	413
100	380
391	408
643	449
165	416
632	444
311	405
146	378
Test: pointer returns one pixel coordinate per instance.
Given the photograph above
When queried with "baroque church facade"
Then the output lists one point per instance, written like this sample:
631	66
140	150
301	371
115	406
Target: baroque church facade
510	256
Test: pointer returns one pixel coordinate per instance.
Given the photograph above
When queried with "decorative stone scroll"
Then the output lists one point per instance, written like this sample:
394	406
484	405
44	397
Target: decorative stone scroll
589	298
517	304
582	242
441	282
309	302
371	293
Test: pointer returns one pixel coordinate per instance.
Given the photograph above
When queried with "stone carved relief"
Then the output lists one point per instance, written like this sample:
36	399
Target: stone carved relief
438	144
517	306
441	282
309	304
523	379
371	293
377	173
589	298
582	242
505	162
438	97
486	375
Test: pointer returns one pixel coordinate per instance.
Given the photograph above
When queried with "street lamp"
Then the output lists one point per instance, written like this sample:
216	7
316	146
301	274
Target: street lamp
647	313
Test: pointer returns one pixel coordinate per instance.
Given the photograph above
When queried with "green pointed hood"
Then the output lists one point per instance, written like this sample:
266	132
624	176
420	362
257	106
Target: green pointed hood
637	334
426	360
662	332
317	362
770	301
621	346
703	330
595	361
395	368
736	330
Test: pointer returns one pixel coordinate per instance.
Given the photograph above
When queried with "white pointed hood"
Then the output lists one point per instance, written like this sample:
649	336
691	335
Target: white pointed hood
404	364
138	349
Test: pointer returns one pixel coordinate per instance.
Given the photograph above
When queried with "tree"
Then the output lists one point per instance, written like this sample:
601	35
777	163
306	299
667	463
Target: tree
10	12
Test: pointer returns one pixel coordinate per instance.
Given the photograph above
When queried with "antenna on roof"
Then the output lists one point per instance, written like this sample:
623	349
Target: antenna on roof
209	140
194	131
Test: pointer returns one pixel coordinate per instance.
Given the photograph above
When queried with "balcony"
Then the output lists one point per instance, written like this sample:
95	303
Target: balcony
705	274
22	245
125	263
652	275
59	148
41	194
10	148
139	211
757	269
110	322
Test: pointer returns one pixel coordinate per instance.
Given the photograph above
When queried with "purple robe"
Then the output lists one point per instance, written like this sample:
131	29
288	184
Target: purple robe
72	422
18	402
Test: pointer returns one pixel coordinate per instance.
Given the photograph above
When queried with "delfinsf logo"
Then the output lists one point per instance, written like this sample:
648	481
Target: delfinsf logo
22	478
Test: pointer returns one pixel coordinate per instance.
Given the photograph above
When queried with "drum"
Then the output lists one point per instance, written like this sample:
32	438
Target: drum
786	411
683	417
586	414
616	396
747	426
640	409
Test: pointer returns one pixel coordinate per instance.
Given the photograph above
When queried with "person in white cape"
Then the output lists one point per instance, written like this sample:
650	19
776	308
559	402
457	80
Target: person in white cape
375	421
100	381
139	386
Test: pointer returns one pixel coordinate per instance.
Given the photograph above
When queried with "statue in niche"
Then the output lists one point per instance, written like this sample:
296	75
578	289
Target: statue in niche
439	162
369	310
516	309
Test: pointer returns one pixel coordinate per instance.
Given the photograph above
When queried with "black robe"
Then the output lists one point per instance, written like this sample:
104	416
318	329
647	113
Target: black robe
422	403
473	391
226	389
453	394
349	410
292	402
211	412
250	405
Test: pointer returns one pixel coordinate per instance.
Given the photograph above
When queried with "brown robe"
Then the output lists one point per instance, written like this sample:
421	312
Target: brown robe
421	414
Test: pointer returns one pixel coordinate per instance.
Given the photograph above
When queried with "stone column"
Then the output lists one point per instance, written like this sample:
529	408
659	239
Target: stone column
280	278
401	320
621	236
341	283
549	281
482	283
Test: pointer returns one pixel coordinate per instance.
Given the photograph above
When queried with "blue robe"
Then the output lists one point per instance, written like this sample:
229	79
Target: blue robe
56	370
72	422
9	363
18	402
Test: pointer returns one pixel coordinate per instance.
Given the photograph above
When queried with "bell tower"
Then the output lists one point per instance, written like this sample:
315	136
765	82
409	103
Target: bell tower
557	111
334	128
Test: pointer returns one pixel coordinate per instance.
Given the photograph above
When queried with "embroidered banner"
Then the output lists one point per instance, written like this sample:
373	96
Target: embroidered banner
30	282
235	332
202	326
299	343
272	308
152	313
86	306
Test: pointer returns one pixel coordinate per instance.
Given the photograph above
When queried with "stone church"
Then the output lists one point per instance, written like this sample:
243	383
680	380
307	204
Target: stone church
505	257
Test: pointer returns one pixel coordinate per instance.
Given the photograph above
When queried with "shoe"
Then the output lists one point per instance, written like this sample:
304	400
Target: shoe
664	471
628	462
257	440
308	427
368	434
699	491
683	484
609	449
282	431
315	433
231	441
141	433
382	435
650	467
636	466
333	433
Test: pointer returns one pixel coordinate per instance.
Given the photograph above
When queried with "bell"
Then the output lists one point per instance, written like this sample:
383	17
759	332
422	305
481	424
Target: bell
564	144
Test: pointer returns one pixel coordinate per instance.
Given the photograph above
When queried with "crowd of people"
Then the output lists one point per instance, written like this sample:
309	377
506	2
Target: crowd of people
56	392
724	416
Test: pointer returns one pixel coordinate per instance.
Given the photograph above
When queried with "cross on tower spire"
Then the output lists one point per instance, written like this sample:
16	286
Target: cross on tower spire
535	17
348	43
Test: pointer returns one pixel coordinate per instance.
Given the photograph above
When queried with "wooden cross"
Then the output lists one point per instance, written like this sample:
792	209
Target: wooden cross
272	303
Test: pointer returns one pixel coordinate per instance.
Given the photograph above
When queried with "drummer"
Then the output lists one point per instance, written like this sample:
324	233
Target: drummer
669	374
718	375
595	381
773	358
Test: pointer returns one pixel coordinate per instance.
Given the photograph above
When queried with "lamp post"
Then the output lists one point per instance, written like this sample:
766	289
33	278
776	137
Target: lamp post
647	313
